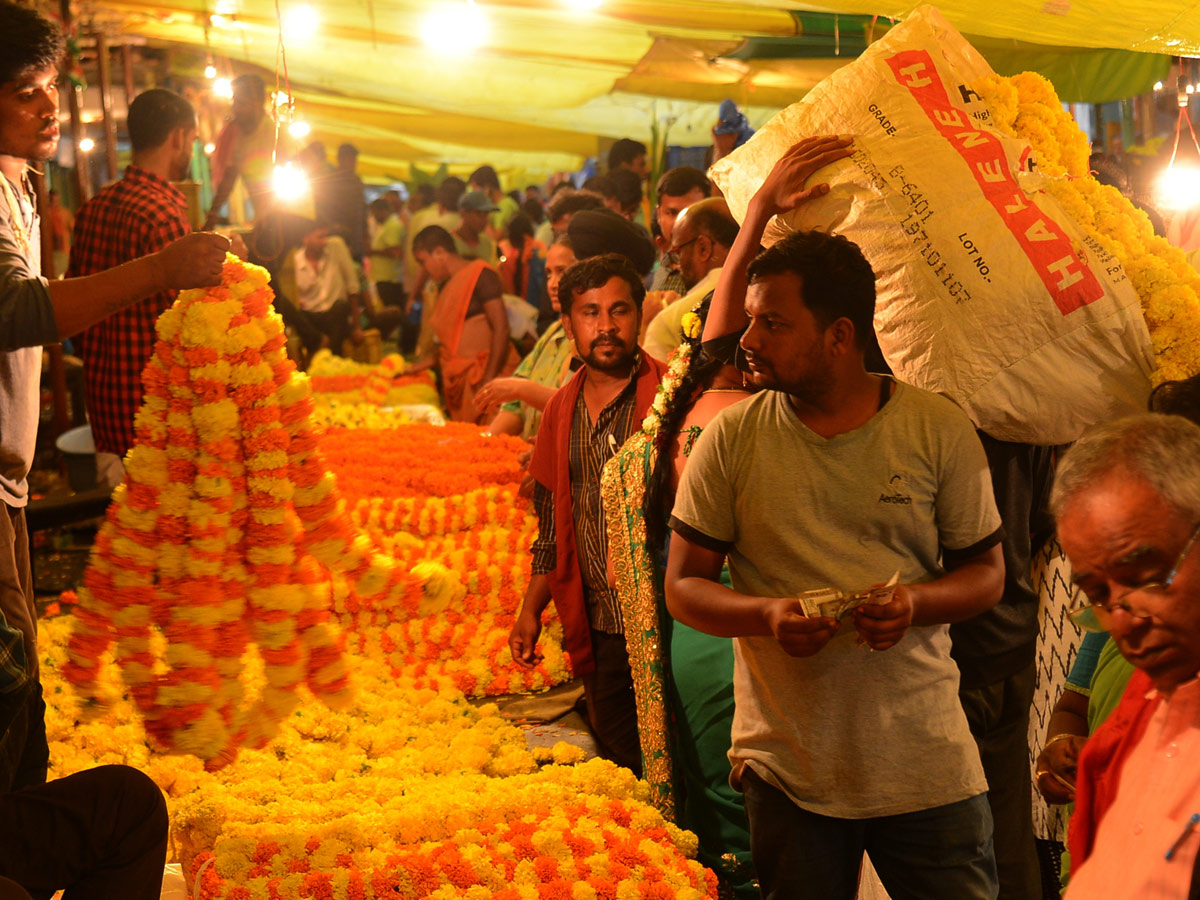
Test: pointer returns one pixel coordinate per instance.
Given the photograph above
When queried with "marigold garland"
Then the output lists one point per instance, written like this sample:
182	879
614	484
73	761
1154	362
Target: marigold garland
1026	106
442	501
214	538
336	379
421	460
408	792
677	367
334	413
210	584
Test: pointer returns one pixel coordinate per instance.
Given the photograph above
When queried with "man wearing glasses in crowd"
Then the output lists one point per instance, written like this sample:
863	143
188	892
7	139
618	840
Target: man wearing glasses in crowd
1127	502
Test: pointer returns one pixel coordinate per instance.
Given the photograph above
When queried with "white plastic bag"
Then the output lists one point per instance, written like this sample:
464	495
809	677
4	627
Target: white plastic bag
173	886
988	292
522	317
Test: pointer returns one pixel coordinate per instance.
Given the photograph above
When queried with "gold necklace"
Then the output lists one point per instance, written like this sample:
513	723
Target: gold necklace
726	391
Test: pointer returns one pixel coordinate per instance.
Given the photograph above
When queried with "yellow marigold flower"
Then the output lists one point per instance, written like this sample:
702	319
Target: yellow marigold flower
1167	287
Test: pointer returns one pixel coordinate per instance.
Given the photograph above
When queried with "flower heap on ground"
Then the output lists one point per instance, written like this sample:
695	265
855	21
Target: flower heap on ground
444	498
405	793
336	379
1026	106
222	533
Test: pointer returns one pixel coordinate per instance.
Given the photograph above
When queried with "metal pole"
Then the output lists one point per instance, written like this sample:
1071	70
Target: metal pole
106	105
127	70
82	174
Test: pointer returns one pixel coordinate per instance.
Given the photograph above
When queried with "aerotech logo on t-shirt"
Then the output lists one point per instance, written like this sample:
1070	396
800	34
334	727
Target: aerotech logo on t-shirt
896	491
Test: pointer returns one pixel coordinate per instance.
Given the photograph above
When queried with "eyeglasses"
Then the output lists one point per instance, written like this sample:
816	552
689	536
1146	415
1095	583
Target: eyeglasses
671	257
1137	600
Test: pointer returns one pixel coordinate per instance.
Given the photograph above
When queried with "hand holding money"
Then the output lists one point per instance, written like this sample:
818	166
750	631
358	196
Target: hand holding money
798	633
881	623
832	603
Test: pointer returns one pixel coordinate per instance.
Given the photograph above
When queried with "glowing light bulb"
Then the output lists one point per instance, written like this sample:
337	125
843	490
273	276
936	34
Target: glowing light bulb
299	129
87	145
1158	85
223	87
301	22
290	182
218	21
455	28
1179	187
210	148
210	71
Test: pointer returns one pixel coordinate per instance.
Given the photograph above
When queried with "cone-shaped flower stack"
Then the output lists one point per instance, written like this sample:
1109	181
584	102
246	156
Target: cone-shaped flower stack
224	534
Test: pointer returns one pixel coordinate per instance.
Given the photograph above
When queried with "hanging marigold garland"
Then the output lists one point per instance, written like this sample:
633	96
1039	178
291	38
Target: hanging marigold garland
223	534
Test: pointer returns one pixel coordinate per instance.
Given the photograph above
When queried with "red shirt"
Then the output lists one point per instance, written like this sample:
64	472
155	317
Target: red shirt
138	215
1144	847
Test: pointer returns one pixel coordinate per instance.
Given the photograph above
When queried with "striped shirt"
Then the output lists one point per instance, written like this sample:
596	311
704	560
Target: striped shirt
14	673
590	446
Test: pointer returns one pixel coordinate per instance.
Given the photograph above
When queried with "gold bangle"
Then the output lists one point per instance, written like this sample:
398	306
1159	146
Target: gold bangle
1065	736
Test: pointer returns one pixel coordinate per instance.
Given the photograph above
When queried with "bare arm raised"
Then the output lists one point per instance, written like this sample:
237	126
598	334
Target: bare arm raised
192	261
783	190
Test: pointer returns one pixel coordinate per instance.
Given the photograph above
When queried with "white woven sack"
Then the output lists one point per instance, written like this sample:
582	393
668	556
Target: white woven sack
988	291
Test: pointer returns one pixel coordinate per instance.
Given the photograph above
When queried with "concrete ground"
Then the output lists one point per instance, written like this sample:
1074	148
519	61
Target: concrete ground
549	717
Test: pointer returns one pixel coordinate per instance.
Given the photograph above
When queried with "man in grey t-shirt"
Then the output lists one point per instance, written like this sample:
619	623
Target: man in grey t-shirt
838	478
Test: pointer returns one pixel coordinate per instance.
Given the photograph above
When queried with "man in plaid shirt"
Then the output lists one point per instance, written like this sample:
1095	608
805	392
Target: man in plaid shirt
138	215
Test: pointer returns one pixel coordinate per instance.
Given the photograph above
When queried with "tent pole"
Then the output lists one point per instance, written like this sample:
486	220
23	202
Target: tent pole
82	175
127	71
106	105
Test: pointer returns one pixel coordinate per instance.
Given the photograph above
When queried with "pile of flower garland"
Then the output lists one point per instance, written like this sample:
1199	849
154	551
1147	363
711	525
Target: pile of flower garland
442	500
334	413
335	378
230	532
222	534
405	793
1026	106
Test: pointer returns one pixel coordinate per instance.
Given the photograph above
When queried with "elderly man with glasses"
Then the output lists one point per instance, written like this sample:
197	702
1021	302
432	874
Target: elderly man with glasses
699	244
1127	502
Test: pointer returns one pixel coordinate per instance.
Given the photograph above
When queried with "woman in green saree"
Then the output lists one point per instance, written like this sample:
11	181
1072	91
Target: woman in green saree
683	679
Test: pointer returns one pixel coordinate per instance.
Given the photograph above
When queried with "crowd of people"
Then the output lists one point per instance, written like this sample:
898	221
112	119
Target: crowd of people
796	590
679	526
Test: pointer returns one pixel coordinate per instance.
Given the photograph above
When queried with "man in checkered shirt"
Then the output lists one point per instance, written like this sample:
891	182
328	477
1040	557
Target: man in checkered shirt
138	215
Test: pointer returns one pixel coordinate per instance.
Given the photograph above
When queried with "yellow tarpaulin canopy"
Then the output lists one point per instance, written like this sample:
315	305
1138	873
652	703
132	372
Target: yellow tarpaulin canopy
1148	26
550	84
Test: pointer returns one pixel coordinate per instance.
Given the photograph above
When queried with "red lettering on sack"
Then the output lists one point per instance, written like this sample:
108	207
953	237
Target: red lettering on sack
1070	283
